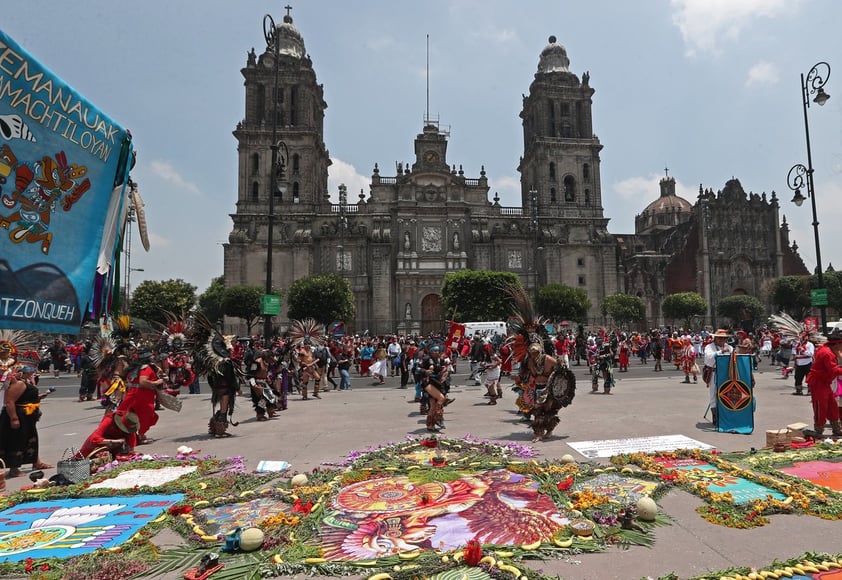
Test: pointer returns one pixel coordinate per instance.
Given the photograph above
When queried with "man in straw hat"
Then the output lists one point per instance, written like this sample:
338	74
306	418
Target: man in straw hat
717	347
822	375
112	433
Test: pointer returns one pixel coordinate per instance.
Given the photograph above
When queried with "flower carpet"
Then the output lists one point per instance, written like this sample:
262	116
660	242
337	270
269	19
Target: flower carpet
421	508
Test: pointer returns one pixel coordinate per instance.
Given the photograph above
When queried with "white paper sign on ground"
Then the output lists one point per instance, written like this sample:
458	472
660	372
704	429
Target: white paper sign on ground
611	447
266	466
151	477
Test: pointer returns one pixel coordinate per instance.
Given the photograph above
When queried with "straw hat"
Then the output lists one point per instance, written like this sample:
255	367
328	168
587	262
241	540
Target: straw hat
835	337
128	422
721	333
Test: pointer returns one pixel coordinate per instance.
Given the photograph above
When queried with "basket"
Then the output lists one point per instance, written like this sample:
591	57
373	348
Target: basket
75	469
778	436
582	527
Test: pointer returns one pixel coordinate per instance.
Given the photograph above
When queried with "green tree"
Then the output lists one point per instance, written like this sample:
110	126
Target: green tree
833	283
791	294
684	306
560	302
740	308
150	299
624	308
243	302
325	298
211	300
476	295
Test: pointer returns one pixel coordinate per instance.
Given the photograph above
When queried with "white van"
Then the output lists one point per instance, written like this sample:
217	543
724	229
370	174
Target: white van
485	328
831	326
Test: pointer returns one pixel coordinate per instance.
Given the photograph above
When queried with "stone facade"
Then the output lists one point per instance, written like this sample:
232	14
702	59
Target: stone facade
727	243
396	244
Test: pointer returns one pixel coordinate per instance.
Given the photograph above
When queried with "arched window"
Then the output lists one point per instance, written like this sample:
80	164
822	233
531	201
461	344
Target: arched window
569	188
295	163
293	105
586	173
255	191
588	197
566	129
260	104
552	170
296	197
255	163
552	194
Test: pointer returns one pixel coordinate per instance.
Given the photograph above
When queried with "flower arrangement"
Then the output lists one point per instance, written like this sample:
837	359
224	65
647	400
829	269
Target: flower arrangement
800	496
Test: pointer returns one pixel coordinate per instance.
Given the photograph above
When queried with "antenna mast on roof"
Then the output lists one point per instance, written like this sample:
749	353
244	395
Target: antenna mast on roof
427	116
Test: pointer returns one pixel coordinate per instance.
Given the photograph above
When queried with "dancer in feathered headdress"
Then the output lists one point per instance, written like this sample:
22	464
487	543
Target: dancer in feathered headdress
304	334
12	342
804	341
545	384
212	357
112	356
174	342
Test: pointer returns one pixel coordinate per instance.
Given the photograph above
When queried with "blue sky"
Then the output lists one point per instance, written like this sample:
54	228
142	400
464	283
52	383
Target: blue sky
708	88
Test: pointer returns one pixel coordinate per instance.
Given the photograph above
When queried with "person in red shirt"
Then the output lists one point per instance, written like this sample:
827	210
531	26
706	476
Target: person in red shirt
112	432
141	396
822	379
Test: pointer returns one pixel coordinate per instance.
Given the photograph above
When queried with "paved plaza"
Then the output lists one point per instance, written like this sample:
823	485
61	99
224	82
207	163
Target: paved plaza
644	403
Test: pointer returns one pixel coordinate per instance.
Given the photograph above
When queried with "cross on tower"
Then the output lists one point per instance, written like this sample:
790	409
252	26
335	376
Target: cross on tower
288	8
667	171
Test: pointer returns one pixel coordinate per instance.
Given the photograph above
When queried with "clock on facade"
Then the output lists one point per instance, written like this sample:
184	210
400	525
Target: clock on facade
431	156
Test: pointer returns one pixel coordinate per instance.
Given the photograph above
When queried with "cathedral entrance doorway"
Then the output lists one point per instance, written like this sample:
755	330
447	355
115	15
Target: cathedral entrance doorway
432	314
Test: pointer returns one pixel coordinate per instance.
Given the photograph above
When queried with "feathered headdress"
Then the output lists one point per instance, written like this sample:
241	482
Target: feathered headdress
210	347
527	328
16	341
794	330
123	329
175	333
301	331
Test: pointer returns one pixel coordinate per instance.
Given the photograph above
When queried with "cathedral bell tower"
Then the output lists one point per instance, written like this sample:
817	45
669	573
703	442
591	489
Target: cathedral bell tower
294	114
560	179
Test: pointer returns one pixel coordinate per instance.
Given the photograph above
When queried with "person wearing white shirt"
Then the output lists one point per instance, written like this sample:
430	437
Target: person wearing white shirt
717	347
803	353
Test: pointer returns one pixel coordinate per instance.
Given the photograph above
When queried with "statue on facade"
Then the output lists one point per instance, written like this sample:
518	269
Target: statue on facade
455	240
408	311
407	241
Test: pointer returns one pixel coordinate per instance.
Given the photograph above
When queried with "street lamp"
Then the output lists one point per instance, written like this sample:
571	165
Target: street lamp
277	169
533	197
799	176
343	201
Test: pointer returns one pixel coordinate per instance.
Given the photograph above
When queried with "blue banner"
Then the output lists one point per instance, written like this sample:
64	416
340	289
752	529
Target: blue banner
62	166
734	393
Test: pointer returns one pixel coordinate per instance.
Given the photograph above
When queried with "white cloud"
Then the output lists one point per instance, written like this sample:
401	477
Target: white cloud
762	73
648	188
164	170
706	24
508	186
342	172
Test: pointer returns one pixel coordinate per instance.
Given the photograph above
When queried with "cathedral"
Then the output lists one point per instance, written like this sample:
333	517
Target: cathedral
395	244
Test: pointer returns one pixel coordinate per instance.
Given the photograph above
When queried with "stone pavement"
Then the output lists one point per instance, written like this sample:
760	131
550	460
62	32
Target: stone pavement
644	403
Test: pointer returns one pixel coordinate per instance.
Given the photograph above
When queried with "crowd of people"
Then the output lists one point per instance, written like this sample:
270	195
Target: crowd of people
133	377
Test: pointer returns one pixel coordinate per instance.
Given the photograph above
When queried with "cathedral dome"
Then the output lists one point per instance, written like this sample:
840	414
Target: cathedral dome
553	58
668	211
290	41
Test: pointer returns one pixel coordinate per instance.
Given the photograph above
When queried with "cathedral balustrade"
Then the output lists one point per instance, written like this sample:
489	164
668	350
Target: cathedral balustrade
511	211
334	208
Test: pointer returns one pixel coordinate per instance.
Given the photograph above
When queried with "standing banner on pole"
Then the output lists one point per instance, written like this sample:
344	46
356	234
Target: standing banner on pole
63	164
455	334
734	393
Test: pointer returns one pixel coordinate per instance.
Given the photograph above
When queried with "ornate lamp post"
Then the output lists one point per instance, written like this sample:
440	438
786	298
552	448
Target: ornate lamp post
277	170
536	232
343	222
799	176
